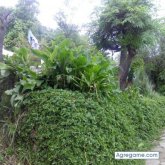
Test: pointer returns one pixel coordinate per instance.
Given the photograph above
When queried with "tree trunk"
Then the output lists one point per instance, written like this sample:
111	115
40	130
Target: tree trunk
125	63
4	22
2	34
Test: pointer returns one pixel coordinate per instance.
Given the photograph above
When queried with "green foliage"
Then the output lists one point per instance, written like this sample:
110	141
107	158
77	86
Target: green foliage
63	127
27	79
24	6
154	58
4	70
5	19
68	66
154	66
16	36
125	23
21	61
125	26
69	30
142	82
140	78
65	66
137	64
162	89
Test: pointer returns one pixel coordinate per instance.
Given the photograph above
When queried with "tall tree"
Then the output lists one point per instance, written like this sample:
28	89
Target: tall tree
124	26
5	19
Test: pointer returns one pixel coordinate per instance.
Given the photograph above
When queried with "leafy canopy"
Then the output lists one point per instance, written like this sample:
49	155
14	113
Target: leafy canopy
124	23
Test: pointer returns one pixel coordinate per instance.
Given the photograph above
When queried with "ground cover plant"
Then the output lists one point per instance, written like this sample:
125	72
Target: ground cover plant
65	127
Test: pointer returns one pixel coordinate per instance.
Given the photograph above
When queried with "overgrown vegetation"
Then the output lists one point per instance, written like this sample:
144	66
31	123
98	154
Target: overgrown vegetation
69	66
125	26
68	109
62	119
66	66
65	127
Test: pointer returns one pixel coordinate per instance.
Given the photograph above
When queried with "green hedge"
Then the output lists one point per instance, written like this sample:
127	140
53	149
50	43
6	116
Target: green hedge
69	128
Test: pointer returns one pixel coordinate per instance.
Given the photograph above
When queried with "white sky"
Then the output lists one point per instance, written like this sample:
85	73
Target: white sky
78	11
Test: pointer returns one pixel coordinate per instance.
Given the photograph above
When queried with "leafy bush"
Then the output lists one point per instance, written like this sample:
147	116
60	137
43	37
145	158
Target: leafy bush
64	127
67	66
25	78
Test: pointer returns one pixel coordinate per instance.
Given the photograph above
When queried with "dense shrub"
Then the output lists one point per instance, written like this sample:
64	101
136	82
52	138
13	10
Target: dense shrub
69	128
68	66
